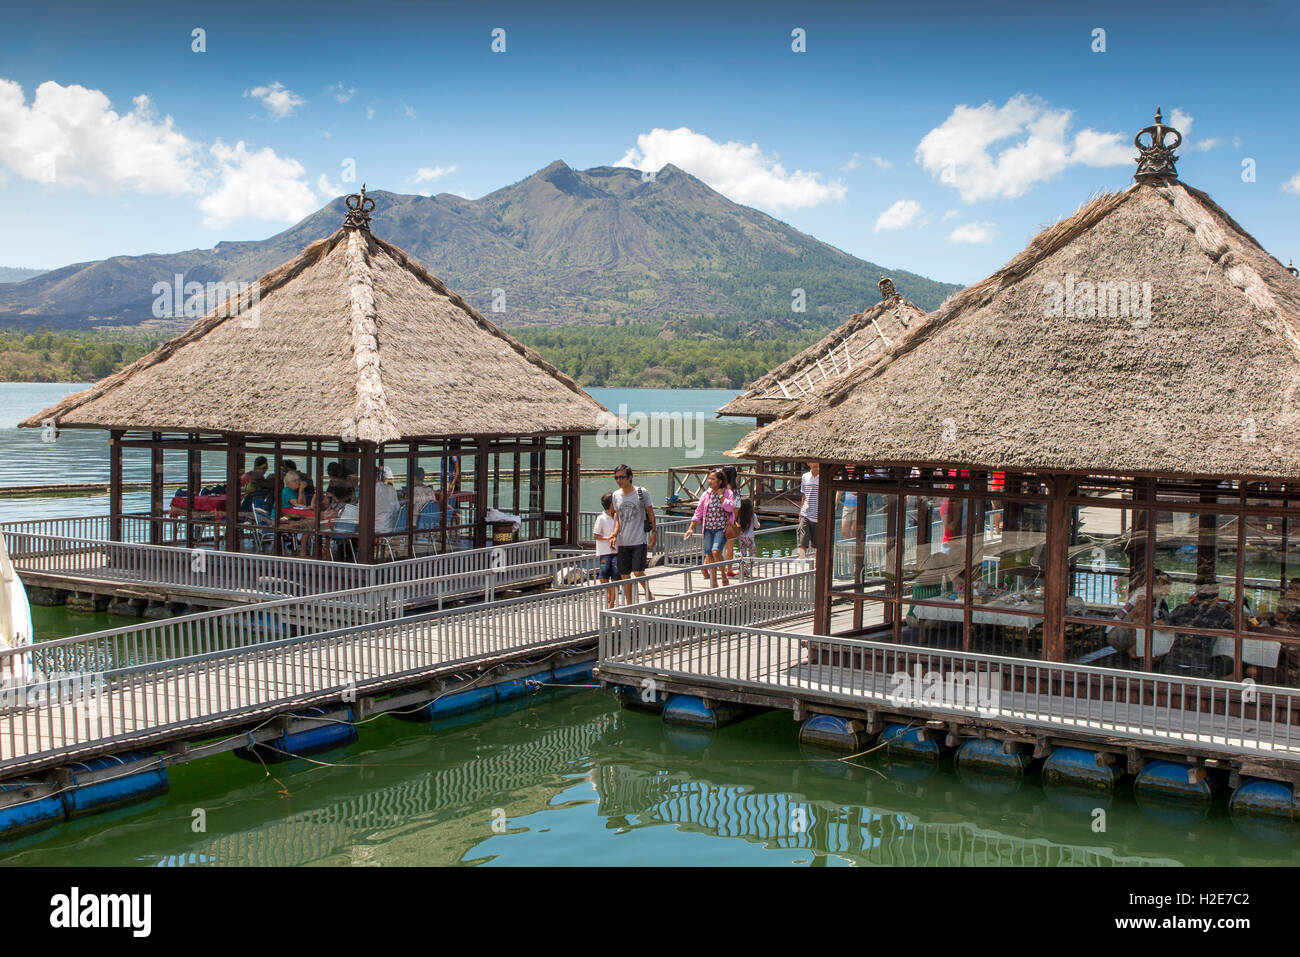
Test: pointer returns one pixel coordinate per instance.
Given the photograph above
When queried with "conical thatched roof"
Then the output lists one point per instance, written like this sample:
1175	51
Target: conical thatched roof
1207	384
354	339
859	340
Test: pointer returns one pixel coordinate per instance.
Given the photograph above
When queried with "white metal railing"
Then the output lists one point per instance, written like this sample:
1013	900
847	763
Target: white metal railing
254	574
1217	715
151	681
679	550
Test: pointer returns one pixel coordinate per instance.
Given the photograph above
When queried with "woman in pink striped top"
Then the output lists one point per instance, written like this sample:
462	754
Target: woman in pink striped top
715	511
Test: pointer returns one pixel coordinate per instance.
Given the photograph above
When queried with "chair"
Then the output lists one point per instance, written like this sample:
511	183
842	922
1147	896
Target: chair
259	533
337	544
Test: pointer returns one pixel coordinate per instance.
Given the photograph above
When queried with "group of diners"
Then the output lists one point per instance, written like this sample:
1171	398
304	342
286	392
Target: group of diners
340	509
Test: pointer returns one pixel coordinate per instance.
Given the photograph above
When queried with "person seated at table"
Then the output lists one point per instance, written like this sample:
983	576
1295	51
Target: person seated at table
256	479
298	492
421	494
386	504
339	488
1124	637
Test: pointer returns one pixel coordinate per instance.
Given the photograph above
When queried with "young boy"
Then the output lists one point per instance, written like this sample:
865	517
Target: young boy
606	555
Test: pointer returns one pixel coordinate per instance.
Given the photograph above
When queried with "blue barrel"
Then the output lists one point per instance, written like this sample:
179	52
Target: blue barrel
833	733
18	819
1265	811
986	756
688	739
1078	768
1168	779
519	687
903	741
130	787
324	737
461	701
690	711
575	673
638	699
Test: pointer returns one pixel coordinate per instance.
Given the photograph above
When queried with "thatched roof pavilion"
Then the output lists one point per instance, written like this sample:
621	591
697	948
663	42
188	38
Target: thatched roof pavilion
354	345
1113	413
863	339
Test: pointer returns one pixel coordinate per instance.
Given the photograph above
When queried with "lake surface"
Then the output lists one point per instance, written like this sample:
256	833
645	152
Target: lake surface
571	779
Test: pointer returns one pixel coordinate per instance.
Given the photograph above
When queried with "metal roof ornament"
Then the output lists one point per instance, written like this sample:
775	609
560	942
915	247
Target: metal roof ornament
360	207
1157	156
886	288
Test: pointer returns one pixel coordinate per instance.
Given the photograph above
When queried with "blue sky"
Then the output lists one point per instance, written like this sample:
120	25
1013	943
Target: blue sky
937	138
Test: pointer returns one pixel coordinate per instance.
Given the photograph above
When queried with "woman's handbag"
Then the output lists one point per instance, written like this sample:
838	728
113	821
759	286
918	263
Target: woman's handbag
732	531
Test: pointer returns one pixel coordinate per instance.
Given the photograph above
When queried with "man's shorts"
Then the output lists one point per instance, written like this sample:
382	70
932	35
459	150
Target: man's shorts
608	567
631	558
807	533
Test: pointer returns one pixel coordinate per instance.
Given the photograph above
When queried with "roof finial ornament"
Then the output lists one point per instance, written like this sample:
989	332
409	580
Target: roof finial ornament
359	208
1157	159
1290	267
886	288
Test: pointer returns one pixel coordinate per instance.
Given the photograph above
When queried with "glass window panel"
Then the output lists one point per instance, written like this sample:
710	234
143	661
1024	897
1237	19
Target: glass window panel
1198	551
934	548
1107	570
1008	555
863	618
1272	575
864	551
995	633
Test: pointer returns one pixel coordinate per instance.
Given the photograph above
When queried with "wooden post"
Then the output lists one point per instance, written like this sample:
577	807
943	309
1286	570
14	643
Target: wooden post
825	550
193	483
575	493
1054	584
234	459
156	505
366	488
115	484
480	491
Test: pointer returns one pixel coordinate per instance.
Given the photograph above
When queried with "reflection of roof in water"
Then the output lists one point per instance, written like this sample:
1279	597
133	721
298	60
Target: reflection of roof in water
522	777
866	835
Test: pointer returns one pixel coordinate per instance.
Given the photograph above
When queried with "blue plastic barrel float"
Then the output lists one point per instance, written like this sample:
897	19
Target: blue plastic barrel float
130	787
1078	768
988	756
324	737
832	732
691	712
1265	810
33	815
911	742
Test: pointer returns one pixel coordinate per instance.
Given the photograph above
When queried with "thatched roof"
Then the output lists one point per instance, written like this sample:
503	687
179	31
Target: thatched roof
857	341
353	338
1208	385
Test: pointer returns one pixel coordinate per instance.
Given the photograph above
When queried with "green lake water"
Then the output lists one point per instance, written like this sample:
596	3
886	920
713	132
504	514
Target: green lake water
569	778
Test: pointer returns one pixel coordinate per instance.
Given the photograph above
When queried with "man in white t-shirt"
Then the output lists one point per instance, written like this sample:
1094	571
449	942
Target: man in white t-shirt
606	555
806	537
633	511
386	504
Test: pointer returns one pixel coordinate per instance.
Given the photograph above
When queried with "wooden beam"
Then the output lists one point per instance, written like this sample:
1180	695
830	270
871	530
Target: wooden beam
366	489
575	493
156	505
115	485
480	490
824	552
234	459
1055	584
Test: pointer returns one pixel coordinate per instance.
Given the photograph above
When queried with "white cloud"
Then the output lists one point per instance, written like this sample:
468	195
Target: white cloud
1183	123
1204	146
71	136
854	162
904	213
950	214
341	94
881	162
370	112
256	186
977	232
426	173
1293	184
327	189
957	151
1236	142
278	99
741	173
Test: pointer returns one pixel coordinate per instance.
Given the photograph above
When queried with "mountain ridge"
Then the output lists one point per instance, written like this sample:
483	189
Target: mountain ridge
607	245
